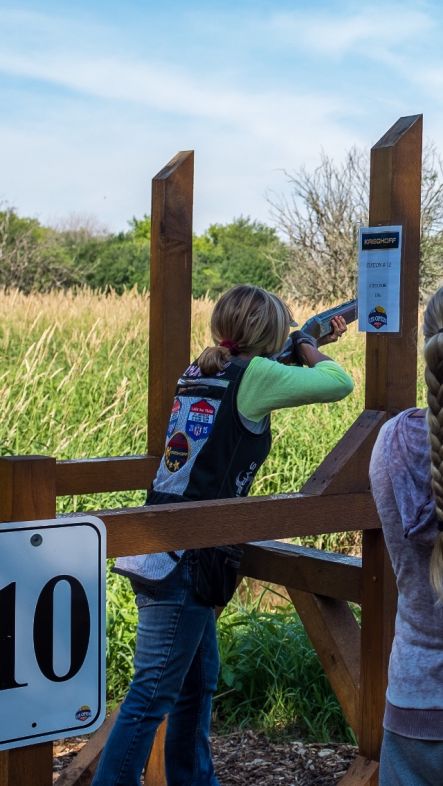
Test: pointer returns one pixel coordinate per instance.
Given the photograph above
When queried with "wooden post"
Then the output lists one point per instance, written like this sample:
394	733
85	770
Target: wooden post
391	363
169	325
169	348
27	492
171	290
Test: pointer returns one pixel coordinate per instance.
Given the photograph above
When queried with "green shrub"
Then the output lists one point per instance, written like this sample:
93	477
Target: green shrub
271	678
121	622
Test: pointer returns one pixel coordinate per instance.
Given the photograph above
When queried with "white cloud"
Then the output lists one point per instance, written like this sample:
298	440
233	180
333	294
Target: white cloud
248	135
370	29
101	160
160	87
103	121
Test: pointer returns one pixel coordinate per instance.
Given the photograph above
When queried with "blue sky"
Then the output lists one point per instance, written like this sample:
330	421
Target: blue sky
97	96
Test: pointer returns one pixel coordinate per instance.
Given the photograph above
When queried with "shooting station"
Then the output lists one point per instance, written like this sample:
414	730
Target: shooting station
336	497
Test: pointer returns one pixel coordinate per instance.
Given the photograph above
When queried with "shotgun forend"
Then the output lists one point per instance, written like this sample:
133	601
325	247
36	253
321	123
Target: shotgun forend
319	326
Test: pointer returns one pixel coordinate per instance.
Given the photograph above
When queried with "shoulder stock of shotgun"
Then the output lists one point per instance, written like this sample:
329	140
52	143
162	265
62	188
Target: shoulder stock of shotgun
319	326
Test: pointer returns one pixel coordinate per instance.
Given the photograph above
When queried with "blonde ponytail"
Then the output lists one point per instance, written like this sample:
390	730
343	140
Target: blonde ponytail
433	331
213	359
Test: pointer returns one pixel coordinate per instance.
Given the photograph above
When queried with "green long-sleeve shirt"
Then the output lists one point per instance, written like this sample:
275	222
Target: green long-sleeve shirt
268	385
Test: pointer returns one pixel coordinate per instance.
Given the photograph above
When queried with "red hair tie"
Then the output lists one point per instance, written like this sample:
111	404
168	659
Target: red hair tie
231	345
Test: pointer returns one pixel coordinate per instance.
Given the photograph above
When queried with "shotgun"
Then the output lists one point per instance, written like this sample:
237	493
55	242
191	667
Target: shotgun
319	326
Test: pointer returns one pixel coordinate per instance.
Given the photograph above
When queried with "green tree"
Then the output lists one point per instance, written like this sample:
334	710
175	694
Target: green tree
140	229
244	251
117	263
80	251
31	257
110	261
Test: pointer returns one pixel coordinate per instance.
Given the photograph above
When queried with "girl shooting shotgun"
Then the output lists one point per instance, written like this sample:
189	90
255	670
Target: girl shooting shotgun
217	438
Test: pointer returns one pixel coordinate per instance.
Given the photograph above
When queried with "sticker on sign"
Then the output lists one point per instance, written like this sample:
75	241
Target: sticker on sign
52	629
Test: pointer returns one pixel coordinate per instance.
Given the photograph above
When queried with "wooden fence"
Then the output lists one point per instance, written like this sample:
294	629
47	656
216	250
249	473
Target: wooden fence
335	499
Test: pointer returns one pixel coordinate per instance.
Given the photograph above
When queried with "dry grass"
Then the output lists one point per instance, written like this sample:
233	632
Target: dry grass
73	383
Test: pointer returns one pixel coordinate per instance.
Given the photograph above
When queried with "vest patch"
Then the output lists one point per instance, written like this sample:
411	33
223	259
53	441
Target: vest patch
176	452
200	420
175	412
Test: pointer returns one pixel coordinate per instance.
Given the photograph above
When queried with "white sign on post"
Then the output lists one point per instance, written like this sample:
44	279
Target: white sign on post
379	262
52	629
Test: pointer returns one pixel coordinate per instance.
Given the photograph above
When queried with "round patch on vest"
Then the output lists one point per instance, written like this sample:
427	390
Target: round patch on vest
176	452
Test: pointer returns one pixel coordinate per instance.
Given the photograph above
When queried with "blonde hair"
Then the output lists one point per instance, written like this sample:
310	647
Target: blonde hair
433	324
253	319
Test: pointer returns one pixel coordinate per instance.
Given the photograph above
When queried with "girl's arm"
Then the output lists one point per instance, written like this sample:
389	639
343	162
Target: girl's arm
268	385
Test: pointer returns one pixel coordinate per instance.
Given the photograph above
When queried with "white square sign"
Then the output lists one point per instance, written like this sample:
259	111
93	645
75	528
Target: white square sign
52	629
379	262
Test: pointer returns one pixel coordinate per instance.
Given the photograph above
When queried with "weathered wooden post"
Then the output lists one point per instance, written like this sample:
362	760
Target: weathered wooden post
391	380
27	492
169	324
171	290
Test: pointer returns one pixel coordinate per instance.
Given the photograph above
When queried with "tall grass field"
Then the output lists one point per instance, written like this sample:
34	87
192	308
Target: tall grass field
73	383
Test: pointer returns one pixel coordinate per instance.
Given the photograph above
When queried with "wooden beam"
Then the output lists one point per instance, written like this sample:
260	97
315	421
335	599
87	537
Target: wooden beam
310	570
362	772
97	475
171	290
216	522
169	345
379	605
155	766
81	769
335	635
27	492
170	323
345	468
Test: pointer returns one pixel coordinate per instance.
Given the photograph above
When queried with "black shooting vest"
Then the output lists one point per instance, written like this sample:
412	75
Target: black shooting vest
210	453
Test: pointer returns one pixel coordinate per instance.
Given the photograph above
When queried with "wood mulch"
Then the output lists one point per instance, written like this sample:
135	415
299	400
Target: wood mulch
251	759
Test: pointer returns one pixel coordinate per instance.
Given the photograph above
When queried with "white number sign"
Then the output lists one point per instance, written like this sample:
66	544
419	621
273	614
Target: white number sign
52	629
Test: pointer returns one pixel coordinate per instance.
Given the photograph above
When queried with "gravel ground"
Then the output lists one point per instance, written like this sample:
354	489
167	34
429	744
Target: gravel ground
251	759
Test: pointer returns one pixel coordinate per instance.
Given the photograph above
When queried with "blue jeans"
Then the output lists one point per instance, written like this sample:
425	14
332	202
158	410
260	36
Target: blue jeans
407	761
176	671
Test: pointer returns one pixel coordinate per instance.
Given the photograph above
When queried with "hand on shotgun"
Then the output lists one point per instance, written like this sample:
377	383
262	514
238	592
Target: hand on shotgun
339	327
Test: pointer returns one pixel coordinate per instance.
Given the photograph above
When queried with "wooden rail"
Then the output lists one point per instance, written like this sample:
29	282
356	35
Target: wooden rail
95	476
217	522
309	570
335	498
126	473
